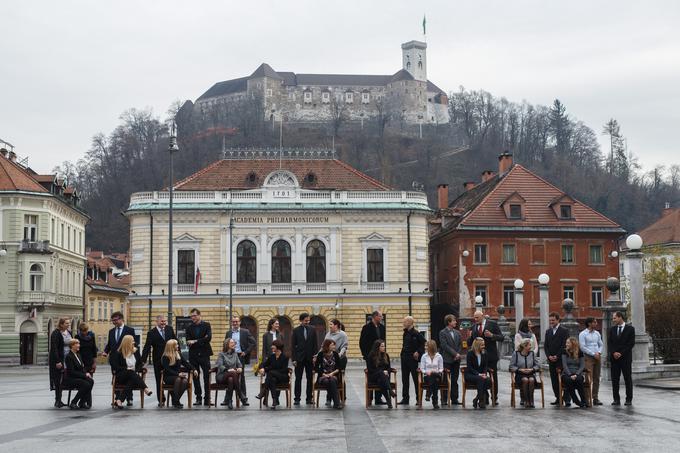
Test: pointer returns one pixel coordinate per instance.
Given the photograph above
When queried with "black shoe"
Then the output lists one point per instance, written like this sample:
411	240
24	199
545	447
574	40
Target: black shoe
129	403
224	403
245	403
475	402
427	396
59	404
455	403
73	405
230	405
339	406
567	404
495	401
198	402
403	402
597	402
380	403
389	404
555	403
309	402
628	403
206	401
435	405
296	403
328	404
177	406
616	403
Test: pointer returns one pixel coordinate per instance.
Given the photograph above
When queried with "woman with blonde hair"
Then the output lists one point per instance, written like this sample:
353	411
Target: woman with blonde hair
432	367
573	366
477	373
172	363
126	363
525	366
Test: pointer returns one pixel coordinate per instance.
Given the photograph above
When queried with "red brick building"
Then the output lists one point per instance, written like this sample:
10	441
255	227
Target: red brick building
514	224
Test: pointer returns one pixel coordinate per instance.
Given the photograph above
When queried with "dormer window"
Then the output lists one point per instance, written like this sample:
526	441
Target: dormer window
308	97
310	178
565	211
349	97
515	211
325	97
365	97
514	206
563	207
251	178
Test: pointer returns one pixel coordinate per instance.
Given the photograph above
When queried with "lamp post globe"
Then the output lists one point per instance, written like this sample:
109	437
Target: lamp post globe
634	242
479	300
466	253
543	279
614	254
519	283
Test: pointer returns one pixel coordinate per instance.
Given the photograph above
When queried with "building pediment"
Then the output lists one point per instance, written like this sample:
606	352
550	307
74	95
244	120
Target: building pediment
374	237
281	178
186	238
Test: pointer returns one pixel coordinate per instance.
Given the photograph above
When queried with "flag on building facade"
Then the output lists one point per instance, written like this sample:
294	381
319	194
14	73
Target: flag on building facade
197	280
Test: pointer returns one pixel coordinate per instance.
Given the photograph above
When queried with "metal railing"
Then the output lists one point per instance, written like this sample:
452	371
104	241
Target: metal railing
665	350
34	246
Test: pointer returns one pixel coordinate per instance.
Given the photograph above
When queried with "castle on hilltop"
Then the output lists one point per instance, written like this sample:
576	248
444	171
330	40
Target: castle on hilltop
288	96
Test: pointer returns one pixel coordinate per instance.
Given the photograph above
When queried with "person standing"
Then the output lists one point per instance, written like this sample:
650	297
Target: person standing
489	331
412	349
432	367
156	340
370	332
117	333
591	345
245	345
59	347
273	333
525	332
555	340
451	345
304	350
620	344
77	376
199	334
87	348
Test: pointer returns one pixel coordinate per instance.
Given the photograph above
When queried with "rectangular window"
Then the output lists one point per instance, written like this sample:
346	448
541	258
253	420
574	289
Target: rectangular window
596	296
68	238
106	311
53	232
61	243
481	290
185	267
509	296
565	211
91	311
325	97
509	254
308	97
569	292
515	211
269	92
375	271
349	97
100	311
31	228
538	254
596	254
567	254
365	98
110	308
480	254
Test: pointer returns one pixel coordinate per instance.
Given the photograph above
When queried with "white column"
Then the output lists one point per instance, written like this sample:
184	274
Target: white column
544	311
519	306
637	309
333	256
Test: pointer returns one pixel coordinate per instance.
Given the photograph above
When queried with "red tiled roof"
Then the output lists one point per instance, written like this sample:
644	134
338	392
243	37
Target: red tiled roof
45	178
483	204
14	177
234	174
665	230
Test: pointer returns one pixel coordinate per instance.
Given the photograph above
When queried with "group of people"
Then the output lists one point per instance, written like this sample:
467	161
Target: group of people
73	361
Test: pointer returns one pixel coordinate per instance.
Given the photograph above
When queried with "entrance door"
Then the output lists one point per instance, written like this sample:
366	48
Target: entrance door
26	348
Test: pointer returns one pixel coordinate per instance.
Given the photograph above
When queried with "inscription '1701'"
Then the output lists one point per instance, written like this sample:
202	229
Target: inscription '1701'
281	219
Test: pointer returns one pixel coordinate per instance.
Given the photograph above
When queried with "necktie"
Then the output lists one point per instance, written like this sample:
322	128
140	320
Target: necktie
480	330
620	330
117	334
305	331
162	332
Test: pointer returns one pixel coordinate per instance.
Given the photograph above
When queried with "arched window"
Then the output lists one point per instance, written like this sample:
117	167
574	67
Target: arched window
36	276
281	262
246	262
316	262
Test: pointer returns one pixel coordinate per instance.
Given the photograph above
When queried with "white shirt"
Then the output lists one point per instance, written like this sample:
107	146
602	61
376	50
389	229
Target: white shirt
432	364
590	342
131	362
236	336
273	332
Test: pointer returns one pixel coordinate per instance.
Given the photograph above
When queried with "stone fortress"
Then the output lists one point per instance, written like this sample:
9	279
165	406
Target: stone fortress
288	96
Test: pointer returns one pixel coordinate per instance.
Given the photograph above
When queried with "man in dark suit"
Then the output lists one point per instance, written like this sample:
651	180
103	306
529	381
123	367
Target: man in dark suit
553	345
198	335
491	333
245	344
620	344
451	345
370	332
412	349
156	339
305	347
116	335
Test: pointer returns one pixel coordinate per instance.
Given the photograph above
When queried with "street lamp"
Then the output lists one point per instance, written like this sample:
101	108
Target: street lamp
634	242
543	281
172	149
637	301
519	300
466	253
479	302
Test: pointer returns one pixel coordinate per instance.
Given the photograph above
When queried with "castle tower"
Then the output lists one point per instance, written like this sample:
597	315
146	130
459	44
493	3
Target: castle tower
414	59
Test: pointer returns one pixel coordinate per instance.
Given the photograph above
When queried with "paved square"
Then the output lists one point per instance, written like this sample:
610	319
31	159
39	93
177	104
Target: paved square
30	423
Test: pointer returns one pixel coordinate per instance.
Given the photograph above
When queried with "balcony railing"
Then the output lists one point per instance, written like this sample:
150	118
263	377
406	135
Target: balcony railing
185	288
34	246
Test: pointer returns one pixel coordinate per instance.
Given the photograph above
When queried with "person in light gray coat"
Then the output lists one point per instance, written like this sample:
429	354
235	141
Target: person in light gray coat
450	346
525	366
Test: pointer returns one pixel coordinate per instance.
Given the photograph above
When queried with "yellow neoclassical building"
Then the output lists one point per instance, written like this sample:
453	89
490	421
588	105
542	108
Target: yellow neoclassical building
278	234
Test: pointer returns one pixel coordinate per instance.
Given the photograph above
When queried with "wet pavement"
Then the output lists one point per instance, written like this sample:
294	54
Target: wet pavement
30	423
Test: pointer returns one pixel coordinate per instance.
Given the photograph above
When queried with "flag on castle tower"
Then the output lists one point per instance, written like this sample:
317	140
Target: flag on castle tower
424	22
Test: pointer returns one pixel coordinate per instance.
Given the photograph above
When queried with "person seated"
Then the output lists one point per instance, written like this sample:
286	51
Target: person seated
378	365
275	367
327	364
432	367
477	373
127	363
172	363
573	366
525	366
229	371
78	377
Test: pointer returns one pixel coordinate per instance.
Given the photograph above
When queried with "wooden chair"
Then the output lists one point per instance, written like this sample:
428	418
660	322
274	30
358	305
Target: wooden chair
317	387
540	383
116	387
216	386
372	387
166	389
285	387
465	385
444	385
65	388
587	388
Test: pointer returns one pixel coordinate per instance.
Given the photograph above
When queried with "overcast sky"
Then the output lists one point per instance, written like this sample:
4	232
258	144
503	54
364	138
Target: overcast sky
69	68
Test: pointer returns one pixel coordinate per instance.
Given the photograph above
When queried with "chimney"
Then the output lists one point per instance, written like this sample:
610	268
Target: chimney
469	185
3	151
442	196
666	210
504	162
12	156
486	175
